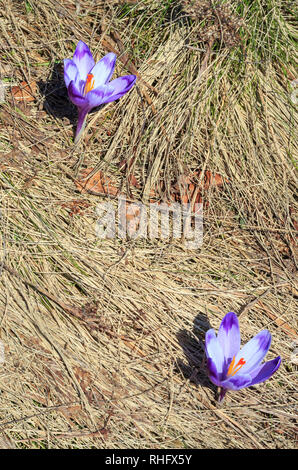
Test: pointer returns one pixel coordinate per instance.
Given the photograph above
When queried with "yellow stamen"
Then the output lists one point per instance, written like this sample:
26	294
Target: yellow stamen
234	368
89	85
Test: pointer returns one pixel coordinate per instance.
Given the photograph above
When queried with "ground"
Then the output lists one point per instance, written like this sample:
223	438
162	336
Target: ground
103	339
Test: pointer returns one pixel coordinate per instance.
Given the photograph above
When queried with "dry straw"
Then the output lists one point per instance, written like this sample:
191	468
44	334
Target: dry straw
104	339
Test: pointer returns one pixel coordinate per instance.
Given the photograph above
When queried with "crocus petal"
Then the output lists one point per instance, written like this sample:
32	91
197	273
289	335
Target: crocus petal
229	336
95	97
76	97
214	351
70	72
80	86
110	92
213	373
264	372
237	381
254	351
83	59
118	87
104	69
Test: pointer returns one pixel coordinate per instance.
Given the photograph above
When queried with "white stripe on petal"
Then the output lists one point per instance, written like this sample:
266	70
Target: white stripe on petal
104	69
254	351
70	71
214	351
229	335
83	59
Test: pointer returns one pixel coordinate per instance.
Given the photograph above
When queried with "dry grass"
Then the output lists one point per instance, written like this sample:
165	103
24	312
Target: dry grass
104	340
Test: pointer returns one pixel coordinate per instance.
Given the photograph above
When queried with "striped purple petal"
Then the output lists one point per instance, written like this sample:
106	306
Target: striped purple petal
254	351
76	96
96	97
70	72
83	59
118	87
229	336
213	351
213	373
110	92
265	371
237	382
104	69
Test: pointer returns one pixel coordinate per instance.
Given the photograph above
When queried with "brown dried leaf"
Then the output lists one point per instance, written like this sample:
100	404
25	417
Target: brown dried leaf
97	184
70	412
189	190
75	206
24	92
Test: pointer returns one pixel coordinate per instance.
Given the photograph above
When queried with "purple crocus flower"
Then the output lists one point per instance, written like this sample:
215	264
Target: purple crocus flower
232	368
88	83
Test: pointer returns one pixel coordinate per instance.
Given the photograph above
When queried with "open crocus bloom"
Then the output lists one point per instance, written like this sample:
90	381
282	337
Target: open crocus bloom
88	83
232	368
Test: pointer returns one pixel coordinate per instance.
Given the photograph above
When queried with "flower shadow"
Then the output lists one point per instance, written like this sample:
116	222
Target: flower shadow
56	102
193	346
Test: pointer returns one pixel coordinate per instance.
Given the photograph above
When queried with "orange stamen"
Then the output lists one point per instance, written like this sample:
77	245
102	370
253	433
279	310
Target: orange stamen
234	368
89	85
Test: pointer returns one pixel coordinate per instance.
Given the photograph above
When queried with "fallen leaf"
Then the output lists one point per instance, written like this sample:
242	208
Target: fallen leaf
71	412
76	206
131	177
188	189
24	92
210	179
133	180
97	184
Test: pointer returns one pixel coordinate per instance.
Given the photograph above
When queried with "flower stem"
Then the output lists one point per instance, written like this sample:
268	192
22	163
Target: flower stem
81	124
221	396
